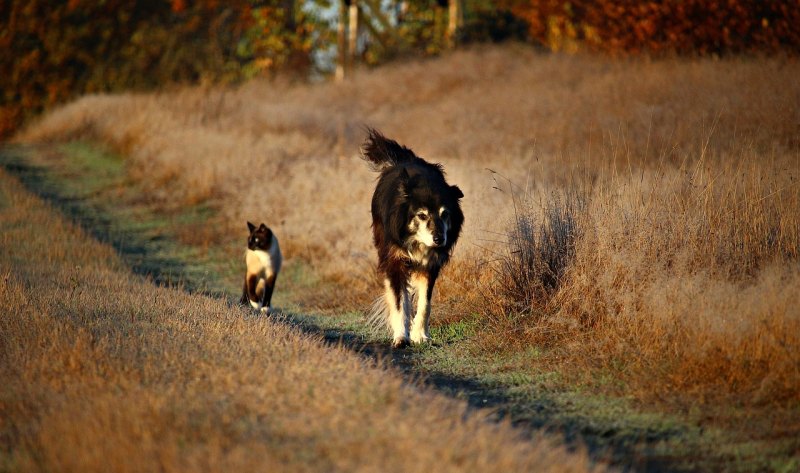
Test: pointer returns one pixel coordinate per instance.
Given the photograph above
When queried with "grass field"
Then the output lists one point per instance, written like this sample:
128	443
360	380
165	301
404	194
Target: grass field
103	371
633	227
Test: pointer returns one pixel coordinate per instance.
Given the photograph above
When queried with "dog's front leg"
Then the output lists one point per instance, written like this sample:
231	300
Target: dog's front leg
397	302
423	286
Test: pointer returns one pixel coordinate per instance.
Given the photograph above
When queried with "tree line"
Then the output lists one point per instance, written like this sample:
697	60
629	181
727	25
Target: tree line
57	49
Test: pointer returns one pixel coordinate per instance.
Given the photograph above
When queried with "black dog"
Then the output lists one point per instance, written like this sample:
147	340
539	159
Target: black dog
416	220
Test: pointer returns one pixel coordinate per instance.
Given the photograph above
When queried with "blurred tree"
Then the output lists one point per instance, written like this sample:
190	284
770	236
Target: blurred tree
282	35
56	49
663	26
490	21
429	27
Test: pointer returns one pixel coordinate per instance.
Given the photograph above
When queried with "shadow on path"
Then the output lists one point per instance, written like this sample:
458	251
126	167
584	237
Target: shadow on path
604	443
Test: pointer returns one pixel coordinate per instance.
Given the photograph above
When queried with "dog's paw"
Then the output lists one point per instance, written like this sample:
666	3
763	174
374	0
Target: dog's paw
399	343
420	338
265	310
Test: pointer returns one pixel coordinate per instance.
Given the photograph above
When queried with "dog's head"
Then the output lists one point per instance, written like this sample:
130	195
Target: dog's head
260	237
433	216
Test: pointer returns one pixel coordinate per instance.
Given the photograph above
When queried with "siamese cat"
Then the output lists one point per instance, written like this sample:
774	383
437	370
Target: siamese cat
263	259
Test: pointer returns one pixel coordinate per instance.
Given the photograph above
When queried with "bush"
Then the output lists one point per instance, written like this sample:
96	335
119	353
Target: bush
65	48
664	26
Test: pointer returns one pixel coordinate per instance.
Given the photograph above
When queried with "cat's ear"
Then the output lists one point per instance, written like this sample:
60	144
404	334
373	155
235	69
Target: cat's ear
250	227
263	228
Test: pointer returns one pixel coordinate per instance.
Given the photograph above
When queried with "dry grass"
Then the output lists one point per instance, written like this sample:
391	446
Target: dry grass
676	282
683	269
100	371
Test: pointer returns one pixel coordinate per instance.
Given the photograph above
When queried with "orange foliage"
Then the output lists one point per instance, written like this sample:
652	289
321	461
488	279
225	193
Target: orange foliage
178	5
63	48
665	26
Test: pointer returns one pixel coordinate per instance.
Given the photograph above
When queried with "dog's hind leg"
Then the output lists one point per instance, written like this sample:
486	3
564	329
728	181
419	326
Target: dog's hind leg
423	287
397	303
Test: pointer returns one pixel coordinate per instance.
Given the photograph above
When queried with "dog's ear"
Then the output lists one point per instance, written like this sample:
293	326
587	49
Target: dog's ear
404	179
456	192
395	222
250	226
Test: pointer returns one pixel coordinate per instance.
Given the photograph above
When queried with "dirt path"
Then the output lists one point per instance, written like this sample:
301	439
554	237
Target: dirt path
621	447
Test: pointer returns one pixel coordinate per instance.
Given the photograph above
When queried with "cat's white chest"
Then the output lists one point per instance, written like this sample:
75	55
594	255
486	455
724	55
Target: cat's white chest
263	262
258	260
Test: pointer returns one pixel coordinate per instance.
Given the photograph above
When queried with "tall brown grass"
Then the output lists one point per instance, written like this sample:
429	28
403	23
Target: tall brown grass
675	282
101	371
662	237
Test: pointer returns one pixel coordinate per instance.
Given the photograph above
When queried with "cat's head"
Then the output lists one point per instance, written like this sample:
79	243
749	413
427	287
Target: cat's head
260	237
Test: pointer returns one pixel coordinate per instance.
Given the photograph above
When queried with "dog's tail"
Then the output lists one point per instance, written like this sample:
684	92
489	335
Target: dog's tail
377	317
381	152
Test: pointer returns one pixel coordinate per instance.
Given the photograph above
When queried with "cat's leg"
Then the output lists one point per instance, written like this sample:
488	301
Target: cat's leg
260	291
245	301
268	288
252	291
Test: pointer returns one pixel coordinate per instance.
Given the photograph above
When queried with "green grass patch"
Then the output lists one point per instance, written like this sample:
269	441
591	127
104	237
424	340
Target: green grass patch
456	331
91	186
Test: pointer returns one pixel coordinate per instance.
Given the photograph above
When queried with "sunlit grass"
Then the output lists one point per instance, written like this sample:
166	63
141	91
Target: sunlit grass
101	370
645	229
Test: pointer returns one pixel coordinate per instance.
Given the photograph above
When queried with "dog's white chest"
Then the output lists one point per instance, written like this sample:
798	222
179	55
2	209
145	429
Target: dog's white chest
420	255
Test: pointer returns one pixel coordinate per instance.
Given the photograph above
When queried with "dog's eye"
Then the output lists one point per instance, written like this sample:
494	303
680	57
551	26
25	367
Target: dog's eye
422	216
